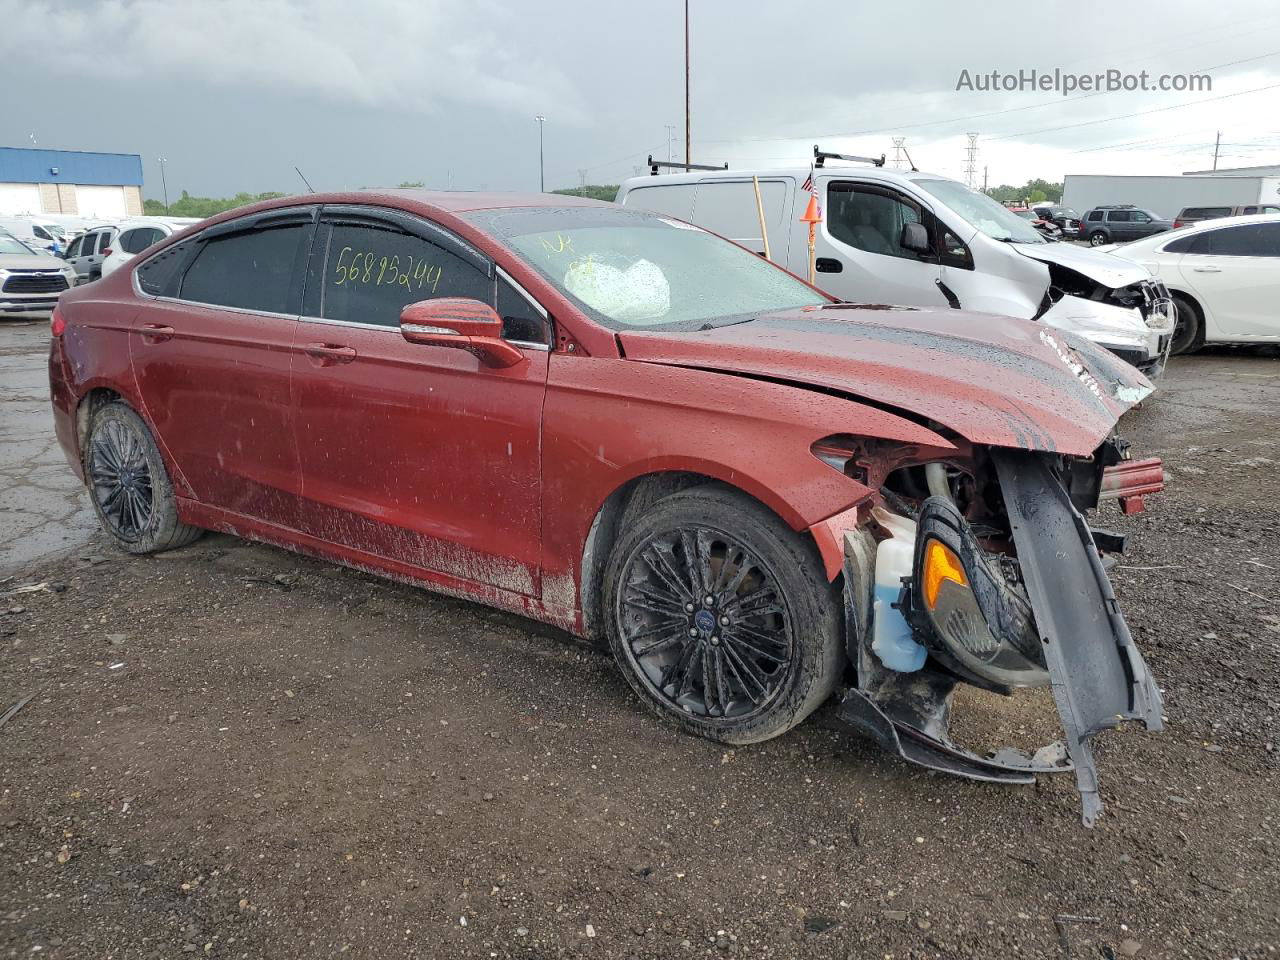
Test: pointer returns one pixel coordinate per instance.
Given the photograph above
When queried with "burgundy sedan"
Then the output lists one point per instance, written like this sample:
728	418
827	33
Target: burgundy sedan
636	430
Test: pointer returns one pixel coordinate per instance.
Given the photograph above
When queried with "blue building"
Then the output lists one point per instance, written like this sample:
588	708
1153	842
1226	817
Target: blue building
98	185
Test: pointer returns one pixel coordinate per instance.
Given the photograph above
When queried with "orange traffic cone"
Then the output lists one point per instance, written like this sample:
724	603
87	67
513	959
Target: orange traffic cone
811	212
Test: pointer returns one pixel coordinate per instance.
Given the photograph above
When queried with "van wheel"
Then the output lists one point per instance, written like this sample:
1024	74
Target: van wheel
1188	327
129	485
721	617
1097	238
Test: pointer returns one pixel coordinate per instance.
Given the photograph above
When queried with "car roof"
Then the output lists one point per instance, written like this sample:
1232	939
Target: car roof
870	171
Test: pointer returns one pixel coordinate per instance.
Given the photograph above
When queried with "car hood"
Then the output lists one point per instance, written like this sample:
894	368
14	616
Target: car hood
1097	267
33	261
993	380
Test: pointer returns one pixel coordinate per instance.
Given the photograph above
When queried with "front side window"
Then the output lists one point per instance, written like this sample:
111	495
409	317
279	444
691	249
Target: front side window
104	241
626	269
252	270
871	218
520	319
368	272
74	249
1141	216
1247	240
981	212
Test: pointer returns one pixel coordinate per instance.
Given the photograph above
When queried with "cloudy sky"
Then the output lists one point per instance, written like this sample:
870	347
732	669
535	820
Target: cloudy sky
235	93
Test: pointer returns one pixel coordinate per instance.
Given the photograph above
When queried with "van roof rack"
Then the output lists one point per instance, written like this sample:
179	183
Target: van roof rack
673	165
820	155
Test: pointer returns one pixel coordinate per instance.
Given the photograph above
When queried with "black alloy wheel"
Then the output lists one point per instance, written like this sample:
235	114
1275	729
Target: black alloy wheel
120	478
705	623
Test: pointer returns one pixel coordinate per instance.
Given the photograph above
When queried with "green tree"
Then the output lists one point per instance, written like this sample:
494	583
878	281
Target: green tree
189	206
596	191
1037	196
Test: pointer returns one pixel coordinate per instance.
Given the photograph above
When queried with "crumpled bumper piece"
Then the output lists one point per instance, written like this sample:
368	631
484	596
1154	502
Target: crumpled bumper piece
1097	675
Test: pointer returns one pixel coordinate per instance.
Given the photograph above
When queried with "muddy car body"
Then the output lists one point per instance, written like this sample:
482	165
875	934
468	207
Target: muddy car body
635	430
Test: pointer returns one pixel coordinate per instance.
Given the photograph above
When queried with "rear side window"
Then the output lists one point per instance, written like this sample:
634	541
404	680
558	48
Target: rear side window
1095	215
247	271
369	272
1207	213
1248	210
138	239
159	275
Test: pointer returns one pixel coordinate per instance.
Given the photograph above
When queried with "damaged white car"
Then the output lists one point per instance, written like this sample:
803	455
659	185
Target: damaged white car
918	239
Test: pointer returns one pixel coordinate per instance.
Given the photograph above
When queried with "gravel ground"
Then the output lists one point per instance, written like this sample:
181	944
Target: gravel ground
231	751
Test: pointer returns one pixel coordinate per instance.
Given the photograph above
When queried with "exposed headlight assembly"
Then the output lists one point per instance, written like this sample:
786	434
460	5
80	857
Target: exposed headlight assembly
979	623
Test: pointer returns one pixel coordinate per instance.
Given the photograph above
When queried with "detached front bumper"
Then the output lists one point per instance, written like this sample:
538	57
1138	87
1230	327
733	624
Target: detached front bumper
1078	635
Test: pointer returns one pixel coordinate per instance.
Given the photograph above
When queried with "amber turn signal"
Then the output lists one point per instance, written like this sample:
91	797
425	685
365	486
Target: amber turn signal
940	564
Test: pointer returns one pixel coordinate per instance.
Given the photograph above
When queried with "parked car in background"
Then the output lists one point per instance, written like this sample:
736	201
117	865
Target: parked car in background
919	239
626	426
1223	275
88	251
1120	224
38	236
30	280
136	235
1043	224
1190	215
1066	218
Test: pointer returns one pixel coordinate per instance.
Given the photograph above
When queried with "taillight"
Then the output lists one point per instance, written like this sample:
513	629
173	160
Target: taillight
57	323
1178	223
106	252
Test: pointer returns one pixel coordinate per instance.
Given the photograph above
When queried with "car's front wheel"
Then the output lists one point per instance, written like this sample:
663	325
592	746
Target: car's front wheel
721	617
129	485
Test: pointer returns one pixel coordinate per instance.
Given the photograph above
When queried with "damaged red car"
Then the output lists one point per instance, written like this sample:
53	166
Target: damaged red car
636	430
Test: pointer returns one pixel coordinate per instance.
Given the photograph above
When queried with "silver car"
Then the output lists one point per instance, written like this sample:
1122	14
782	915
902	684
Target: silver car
30	282
88	251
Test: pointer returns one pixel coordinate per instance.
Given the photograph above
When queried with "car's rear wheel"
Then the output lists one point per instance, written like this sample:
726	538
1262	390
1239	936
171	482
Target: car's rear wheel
721	617
1188	326
1097	238
129	485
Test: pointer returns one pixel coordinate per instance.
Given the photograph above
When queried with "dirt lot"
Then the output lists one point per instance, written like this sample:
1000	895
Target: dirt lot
231	751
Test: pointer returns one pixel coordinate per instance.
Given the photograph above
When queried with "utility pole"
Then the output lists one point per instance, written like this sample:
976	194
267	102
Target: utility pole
971	161
984	178
671	137
688	127
164	184
897	151
542	177
582	182
1217	141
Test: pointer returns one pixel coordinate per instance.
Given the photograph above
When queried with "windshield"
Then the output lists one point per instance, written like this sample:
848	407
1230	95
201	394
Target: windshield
54	229
981	212
13	245
627	269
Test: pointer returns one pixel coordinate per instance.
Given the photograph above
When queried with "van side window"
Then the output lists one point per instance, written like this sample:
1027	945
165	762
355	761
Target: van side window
674	200
871	218
729	208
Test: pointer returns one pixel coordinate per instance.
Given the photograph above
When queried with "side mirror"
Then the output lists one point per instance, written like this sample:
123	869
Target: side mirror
462	323
915	238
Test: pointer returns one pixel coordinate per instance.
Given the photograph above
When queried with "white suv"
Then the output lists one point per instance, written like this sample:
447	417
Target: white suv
136	235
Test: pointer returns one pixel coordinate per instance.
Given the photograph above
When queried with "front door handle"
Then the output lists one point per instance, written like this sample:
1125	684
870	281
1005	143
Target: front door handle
1207	269
327	354
156	332
828	265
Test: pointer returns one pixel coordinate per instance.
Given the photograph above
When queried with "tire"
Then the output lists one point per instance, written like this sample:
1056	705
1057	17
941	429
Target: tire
771	640
1097	238
129	486
1188	328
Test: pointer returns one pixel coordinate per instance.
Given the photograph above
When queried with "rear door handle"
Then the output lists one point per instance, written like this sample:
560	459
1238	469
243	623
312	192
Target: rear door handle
1207	269
327	354
156	332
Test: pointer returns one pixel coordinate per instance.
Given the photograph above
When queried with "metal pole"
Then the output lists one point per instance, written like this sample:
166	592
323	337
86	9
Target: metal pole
1216	141
688	128
164	185
542	179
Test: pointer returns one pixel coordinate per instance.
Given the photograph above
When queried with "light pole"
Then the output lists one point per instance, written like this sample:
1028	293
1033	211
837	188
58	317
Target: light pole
542	177
164	185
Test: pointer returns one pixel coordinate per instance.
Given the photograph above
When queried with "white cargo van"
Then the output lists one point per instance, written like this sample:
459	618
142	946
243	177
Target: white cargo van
919	239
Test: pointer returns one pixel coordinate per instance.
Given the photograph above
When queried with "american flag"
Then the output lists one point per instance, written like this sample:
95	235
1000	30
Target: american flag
812	187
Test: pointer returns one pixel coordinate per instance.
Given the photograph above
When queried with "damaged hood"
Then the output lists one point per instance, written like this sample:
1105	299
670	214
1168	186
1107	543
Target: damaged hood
1099	267
994	380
